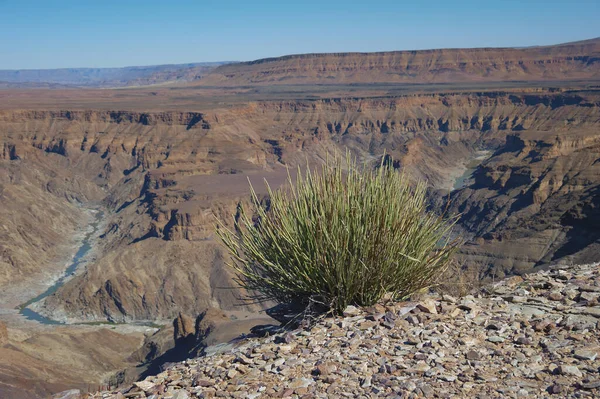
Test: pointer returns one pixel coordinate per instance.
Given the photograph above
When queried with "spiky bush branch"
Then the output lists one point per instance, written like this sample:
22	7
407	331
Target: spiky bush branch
345	234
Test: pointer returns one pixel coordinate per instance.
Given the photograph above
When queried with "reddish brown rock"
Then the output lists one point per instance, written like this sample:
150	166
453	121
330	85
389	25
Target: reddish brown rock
184	326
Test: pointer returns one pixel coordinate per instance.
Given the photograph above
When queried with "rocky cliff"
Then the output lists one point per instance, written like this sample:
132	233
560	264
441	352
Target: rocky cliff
540	188
39	213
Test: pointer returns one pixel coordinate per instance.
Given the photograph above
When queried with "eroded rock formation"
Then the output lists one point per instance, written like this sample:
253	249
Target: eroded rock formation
166	176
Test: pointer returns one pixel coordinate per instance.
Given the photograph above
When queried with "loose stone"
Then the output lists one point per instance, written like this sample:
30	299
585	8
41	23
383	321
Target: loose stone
536	336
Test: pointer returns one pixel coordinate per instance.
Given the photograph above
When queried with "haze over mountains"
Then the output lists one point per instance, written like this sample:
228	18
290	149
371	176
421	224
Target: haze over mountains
162	161
106	77
565	61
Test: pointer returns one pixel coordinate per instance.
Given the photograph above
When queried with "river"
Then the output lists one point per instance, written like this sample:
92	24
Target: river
82	251
463	180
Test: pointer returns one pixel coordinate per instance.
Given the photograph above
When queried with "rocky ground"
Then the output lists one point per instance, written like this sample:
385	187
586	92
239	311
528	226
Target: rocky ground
532	336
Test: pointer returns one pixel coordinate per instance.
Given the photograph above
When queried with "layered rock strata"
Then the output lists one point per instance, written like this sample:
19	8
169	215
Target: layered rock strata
578	60
165	176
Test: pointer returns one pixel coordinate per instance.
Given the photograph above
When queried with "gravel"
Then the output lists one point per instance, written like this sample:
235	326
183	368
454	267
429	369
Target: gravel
535	336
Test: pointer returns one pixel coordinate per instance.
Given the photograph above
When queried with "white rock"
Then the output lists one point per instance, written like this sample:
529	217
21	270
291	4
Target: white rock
570	370
351	311
428	306
145	386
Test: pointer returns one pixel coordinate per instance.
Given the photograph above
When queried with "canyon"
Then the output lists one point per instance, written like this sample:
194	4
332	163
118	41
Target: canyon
164	163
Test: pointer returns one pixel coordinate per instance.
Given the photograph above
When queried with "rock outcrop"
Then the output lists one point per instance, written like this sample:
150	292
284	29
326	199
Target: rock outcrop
534	336
183	327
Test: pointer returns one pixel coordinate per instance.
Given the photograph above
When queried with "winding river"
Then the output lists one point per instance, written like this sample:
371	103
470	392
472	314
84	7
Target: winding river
82	251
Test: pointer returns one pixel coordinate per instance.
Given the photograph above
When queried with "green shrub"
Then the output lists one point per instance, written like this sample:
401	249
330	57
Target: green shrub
342	234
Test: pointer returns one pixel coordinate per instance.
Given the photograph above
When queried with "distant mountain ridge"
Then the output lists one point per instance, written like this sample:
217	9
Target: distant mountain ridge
107	77
567	61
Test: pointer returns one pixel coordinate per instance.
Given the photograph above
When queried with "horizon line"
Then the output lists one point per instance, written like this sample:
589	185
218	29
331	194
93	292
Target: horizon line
199	63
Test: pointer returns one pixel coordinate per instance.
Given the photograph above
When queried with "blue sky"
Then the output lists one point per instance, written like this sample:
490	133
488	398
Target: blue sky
109	33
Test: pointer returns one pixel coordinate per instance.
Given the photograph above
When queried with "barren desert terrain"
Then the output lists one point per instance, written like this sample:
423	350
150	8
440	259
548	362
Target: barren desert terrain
161	162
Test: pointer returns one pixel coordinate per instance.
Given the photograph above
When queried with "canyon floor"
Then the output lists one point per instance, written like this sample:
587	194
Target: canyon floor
511	143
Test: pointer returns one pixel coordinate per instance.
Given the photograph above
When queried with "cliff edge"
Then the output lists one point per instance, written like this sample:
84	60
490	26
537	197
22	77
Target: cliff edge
534	336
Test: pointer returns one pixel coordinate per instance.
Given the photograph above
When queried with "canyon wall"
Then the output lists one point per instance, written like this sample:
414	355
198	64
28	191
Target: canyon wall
535	202
38	210
166	175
